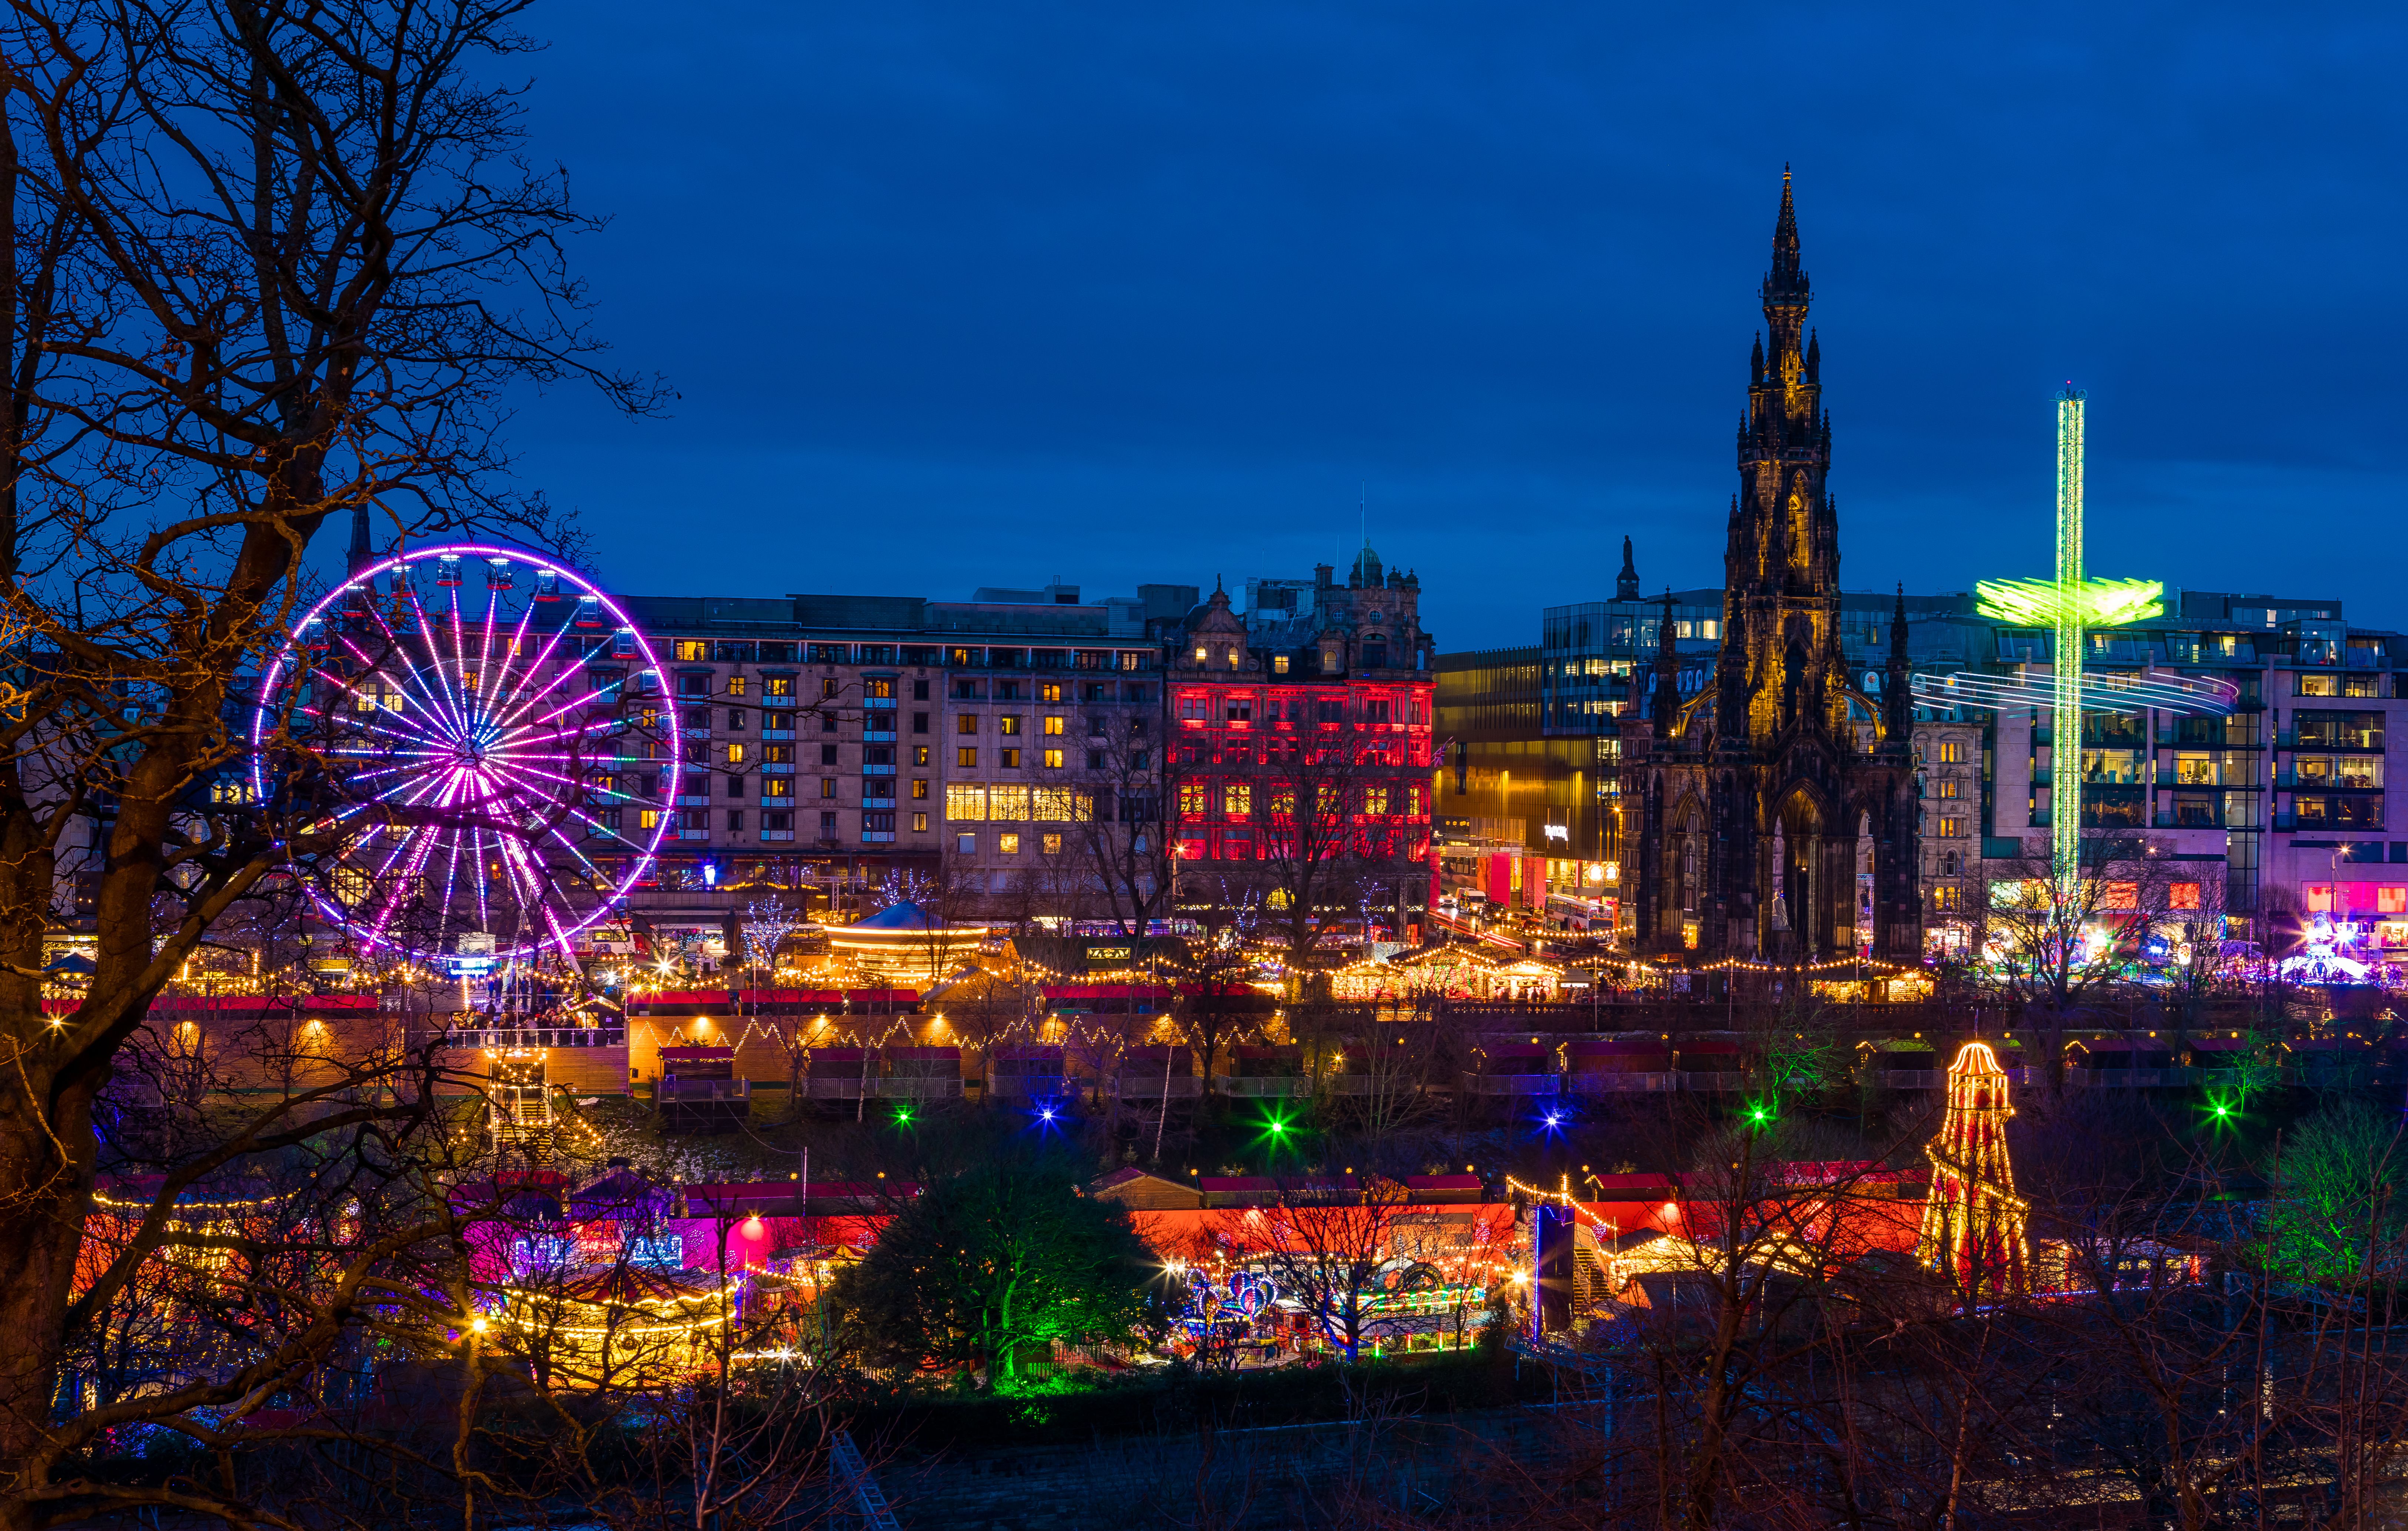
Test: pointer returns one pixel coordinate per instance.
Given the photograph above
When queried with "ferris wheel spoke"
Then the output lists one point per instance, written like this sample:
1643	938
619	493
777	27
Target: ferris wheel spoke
438	702
593	822
424	844
511	722
509	668
467	749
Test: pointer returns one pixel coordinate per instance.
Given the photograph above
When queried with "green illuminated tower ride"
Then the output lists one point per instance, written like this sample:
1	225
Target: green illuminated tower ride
2069	605
2065	723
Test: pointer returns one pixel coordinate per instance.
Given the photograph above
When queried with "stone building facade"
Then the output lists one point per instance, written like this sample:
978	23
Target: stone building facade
1765	791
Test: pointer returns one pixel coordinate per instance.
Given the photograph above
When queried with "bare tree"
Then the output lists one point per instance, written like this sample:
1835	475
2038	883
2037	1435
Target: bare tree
268	263
1331	798
1127	842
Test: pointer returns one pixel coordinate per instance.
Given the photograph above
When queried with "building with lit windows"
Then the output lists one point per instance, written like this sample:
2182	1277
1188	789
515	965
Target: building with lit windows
1320	692
822	732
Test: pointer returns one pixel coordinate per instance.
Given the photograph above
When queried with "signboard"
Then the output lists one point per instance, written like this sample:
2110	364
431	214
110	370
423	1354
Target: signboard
1109	953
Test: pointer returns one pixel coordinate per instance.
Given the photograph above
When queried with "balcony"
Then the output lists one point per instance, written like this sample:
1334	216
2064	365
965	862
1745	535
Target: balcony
773	835
878	735
876	836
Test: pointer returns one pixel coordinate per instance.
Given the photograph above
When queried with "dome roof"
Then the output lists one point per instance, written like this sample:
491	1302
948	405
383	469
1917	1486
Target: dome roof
1367	568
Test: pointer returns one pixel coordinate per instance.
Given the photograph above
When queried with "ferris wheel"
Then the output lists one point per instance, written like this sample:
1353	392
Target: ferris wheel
480	738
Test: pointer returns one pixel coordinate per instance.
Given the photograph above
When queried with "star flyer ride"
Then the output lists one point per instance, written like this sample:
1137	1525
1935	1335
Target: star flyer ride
2070	606
495	762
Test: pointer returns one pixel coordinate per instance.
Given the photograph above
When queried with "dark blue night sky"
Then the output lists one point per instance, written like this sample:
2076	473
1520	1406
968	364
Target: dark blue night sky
982	295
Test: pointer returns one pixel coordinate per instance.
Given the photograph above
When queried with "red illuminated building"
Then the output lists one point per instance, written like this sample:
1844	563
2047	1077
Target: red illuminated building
1298	735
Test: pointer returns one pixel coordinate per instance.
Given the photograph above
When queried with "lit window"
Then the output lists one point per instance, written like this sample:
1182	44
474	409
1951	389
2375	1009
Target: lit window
919	755
693	649
2119	896
1375	800
647	819
827	786
1007	723
2317	896
735	685
967	722
1279	663
2391	900
1053	760
1195	799
1946	898
1008	844
919	823
1949	789
1051	692
1053	724
920	788
1238	800
736	754
1052	845
778	786
1006	803
965	803
776	685
966	757
2183	896
1007	759
1951	826
1202	653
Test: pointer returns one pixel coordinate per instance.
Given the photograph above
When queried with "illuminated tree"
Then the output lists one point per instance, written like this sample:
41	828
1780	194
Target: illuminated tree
1002	1259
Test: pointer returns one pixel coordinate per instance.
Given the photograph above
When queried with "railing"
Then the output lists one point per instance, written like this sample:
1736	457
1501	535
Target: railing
933	1087
1263	1086
1032	1085
1370	1084
855	1483
1712	1079
921	1087
674	1088
2129	1079
1144	1086
1620	1082
524	1036
1513	1084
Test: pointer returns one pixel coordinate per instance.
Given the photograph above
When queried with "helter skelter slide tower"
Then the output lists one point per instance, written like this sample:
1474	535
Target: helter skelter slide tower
1973	1223
2070	606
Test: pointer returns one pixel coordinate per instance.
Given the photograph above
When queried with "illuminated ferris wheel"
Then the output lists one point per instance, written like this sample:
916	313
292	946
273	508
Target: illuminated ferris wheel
479	740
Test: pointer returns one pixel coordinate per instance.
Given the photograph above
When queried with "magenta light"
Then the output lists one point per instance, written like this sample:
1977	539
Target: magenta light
489	752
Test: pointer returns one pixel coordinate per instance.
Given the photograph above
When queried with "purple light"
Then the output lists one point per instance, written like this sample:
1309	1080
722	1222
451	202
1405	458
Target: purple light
459	742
